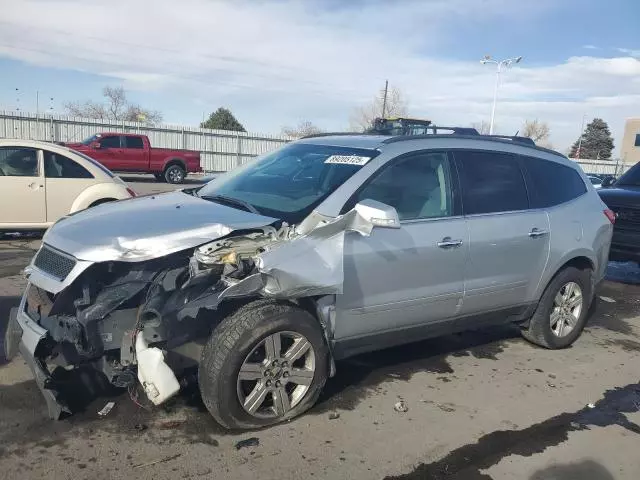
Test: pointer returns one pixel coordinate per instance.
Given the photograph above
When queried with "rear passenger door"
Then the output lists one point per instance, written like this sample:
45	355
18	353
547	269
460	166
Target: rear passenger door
134	156
509	240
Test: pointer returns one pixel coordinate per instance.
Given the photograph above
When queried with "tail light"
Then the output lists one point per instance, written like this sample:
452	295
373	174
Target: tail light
610	214
131	192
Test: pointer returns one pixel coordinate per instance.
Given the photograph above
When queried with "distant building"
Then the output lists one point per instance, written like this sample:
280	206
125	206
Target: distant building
630	148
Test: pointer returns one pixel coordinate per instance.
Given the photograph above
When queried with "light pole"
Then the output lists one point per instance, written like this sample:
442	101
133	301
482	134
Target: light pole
499	64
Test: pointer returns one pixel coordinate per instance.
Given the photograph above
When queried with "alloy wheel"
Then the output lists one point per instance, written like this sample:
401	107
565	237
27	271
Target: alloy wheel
276	375
567	307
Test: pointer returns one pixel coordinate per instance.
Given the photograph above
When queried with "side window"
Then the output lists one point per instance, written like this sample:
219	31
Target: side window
553	183
18	162
418	186
133	142
110	142
491	182
637	142
58	166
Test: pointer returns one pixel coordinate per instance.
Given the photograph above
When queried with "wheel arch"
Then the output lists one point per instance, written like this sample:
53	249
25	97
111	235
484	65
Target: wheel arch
174	161
580	259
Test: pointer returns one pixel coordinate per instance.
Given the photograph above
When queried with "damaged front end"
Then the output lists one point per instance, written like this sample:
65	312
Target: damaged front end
146	321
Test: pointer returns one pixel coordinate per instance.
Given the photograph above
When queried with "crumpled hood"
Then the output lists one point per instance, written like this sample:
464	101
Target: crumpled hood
147	227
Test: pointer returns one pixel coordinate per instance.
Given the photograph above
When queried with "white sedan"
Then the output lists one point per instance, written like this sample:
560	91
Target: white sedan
41	182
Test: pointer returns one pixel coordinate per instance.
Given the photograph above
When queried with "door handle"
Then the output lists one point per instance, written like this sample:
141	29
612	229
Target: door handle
535	232
35	186
447	242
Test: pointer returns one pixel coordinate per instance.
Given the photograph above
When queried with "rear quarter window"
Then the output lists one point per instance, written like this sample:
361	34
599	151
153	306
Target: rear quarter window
552	183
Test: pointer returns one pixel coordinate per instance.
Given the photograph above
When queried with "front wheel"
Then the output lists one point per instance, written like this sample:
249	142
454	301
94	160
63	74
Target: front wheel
264	364
174	174
563	310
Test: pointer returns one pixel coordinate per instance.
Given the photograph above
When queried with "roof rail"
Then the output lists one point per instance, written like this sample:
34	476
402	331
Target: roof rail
333	134
514	138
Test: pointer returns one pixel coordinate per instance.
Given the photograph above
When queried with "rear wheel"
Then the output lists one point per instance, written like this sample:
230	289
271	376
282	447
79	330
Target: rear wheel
174	174
563	310
264	364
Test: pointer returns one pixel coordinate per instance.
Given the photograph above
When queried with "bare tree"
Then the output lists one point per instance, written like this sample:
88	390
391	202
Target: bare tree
536	130
115	107
303	129
362	117
482	127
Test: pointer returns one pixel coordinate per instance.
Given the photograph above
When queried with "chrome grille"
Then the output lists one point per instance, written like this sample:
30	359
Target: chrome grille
627	215
54	263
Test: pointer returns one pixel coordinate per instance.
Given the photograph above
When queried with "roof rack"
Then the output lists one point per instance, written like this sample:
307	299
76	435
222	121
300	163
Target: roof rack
514	138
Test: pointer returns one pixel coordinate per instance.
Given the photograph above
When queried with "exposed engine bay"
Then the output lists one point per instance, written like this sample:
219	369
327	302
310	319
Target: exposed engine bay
138	320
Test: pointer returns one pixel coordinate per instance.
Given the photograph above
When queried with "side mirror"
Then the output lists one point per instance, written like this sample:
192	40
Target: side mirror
378	213
608	181
95	145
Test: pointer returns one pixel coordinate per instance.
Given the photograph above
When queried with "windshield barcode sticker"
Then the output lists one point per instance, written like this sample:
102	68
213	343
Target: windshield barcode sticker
348	159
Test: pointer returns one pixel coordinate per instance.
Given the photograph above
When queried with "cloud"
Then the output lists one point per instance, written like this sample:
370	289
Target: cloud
629	51
275	63
591	47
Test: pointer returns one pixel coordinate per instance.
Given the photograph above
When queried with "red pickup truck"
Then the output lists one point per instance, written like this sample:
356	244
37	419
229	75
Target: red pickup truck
123	152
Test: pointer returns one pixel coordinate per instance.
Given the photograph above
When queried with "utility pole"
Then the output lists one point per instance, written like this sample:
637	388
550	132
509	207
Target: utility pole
580	137
384	98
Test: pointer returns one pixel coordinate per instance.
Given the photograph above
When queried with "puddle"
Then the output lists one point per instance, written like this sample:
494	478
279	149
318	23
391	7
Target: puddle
468	461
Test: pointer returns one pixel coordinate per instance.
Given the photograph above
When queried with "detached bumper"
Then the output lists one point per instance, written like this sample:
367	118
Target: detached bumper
32	336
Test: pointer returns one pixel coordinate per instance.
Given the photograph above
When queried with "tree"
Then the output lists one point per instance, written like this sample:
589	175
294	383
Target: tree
537	131
223	119
362	117
595	142
303	129
482	127
115	107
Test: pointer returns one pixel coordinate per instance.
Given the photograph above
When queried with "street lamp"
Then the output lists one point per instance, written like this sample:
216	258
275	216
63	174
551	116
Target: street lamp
499	64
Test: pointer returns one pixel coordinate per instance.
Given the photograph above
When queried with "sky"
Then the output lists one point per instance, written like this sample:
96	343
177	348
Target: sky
276	63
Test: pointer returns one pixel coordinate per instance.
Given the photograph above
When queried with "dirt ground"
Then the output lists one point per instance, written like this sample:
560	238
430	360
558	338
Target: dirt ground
481	405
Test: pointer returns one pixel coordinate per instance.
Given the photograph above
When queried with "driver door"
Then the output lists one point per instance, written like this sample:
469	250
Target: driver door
400	280
22	187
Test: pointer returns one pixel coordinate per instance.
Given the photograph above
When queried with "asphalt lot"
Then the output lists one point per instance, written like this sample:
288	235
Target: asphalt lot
481	405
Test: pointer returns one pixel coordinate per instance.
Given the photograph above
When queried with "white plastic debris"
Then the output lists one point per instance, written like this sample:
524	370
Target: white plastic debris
591	405
401	407
155	376
607	299
106	409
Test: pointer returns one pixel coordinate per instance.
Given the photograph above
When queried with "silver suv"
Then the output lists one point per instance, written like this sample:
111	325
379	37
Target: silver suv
328	247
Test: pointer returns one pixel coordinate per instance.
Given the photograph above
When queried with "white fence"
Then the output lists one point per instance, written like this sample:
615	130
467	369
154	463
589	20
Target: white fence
613	167
220	150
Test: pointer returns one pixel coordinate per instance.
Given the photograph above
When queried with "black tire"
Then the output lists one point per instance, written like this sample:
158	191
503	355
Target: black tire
174	174
234	339
101	201
539	330
159	177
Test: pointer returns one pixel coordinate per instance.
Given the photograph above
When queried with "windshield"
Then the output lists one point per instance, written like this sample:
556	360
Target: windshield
631	178
290	182
92	138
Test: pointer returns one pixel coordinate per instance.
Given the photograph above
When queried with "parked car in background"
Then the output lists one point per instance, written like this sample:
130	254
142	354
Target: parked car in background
41	182
325	248
623	197
133	153
595	181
